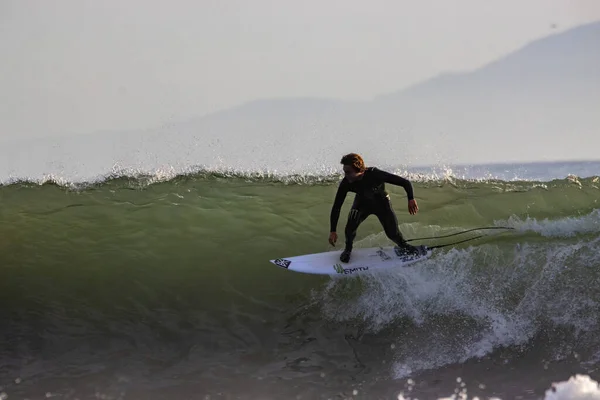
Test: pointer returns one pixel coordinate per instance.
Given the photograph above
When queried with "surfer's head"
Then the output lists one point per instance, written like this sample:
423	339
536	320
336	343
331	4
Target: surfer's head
354	166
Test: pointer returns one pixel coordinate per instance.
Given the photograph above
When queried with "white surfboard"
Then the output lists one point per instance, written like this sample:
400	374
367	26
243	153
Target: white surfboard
361	261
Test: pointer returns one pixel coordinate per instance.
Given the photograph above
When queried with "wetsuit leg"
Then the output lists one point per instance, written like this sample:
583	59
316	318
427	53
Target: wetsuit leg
389	221
358	213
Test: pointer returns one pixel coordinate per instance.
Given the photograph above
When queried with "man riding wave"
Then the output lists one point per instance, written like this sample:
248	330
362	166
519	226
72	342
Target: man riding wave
371	198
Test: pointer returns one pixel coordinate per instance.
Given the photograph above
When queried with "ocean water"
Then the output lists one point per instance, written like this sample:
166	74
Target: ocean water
129	284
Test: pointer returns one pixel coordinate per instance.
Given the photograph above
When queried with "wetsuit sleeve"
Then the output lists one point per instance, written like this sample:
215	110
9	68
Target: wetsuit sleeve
340	196
395	180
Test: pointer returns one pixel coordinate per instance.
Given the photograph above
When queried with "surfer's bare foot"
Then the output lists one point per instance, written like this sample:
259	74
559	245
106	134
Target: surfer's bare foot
345	256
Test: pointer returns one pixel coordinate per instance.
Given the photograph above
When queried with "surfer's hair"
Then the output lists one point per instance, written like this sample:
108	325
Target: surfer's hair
355	161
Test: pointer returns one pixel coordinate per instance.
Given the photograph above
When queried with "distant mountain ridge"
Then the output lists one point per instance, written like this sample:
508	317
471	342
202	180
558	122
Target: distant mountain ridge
539	102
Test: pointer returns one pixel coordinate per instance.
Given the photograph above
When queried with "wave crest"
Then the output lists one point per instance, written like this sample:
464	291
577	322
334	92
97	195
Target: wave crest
139	178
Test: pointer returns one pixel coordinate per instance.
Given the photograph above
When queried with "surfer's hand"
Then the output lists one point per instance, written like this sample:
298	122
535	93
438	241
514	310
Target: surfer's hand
332	238
412	206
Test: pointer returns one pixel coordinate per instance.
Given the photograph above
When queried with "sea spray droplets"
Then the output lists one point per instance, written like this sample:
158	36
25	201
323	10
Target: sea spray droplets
142	174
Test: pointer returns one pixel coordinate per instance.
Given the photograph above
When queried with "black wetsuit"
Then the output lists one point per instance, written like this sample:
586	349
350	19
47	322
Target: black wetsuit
371	198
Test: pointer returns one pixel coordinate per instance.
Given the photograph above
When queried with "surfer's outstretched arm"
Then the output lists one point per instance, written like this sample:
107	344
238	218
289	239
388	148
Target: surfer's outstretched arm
396	180
413	208
340	196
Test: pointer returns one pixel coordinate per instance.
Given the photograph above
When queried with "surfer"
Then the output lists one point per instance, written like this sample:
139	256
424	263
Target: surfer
371	198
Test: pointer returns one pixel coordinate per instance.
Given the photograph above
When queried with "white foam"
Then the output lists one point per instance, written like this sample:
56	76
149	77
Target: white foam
578	387
493	296
563	227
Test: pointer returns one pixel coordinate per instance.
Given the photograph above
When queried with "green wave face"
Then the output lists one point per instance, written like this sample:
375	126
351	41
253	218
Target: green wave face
180	268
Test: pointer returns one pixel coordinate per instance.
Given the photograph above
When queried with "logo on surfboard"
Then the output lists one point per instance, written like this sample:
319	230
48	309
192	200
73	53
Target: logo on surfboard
404	256
282	262
341	270
383	255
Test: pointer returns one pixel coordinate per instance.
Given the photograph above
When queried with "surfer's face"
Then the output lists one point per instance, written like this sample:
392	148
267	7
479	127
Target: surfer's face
351	173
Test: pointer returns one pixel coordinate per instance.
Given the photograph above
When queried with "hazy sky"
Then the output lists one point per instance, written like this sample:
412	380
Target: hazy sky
79	66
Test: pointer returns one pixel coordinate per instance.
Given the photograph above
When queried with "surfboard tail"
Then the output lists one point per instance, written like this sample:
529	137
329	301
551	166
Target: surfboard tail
281	262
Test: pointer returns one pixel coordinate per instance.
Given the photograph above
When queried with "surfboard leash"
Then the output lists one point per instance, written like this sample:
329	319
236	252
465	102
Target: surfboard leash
461	232
452	244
